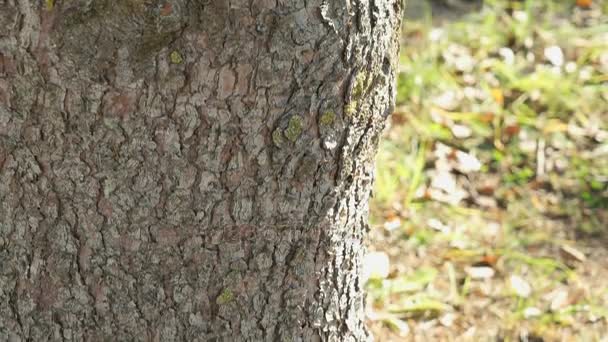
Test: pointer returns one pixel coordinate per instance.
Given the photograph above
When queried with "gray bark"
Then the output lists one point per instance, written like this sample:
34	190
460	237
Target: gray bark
189	170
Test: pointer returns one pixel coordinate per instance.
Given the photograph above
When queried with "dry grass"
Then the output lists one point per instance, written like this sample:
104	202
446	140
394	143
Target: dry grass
491	198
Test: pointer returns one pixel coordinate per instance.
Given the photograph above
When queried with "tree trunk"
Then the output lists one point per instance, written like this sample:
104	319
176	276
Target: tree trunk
189	170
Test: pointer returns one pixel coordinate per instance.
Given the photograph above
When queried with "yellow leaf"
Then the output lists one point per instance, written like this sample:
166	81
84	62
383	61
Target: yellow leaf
555	126
498	96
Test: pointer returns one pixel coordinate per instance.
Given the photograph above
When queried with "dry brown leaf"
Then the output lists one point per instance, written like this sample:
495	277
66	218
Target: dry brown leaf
512	130
572	254
584	3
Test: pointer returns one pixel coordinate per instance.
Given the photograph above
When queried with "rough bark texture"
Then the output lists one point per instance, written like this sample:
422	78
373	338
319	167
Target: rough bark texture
188	170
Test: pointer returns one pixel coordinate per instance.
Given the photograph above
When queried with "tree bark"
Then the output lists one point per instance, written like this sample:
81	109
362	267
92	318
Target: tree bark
189	170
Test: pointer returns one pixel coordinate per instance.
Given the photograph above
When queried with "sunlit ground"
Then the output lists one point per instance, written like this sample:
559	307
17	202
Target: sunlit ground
490	209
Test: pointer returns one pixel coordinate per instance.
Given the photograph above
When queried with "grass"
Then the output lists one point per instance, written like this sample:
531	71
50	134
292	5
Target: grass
496	161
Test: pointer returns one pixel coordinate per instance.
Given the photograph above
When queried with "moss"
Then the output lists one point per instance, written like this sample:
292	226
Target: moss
350	108
327	118
225	297
50	4
176	57
360	85
294	128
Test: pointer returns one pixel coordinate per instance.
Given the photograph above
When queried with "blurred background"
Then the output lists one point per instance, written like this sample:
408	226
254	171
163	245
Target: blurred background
490	209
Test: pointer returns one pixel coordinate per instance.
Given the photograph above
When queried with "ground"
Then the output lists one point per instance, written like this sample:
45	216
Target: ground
490	209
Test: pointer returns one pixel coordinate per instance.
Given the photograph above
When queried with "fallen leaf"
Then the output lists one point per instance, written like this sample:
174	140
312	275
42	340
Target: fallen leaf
559	300
584	3
537	203
520	286
488	185
448	100
512	130
444	188
459	57
461	131
436	34
399	117
498	96
392	223
486	201
571	253
554	55
444	181
438	225
447	320
507	55
486	117
490	259
467	162
375	266
492	230
520	16
480	272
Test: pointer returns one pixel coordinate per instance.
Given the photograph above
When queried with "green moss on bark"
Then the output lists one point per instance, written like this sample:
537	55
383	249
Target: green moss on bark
176	57
361	85
225	297
294	128
327	118
350	108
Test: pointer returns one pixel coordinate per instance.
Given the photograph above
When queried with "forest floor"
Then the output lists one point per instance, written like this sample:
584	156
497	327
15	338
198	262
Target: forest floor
490	209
